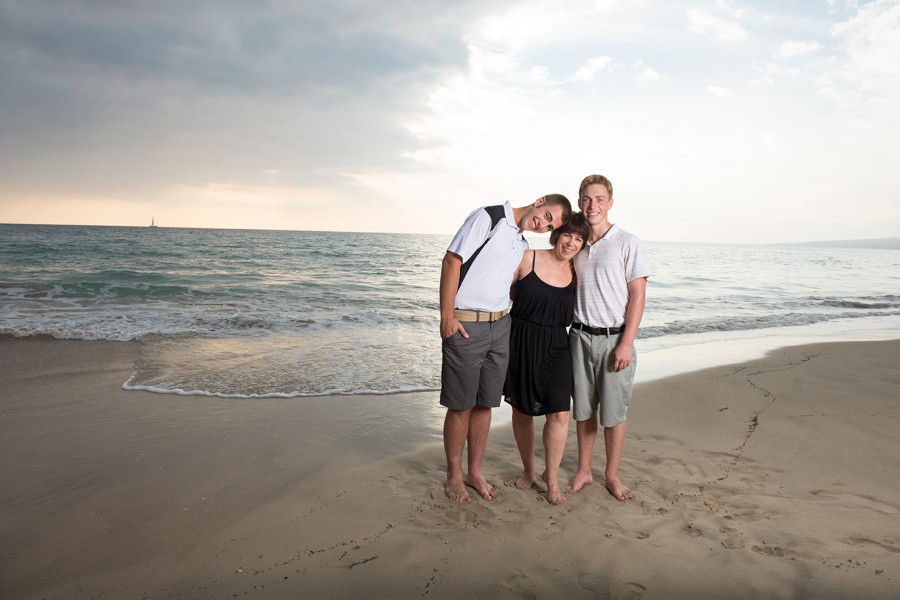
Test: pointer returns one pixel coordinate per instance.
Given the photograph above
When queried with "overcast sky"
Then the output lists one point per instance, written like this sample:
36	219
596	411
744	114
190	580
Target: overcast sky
717	121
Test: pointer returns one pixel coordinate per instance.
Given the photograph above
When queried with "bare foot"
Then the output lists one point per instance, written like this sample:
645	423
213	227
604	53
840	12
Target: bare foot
484	489
456	491
618	490
554	496
579	482
525	482
556	499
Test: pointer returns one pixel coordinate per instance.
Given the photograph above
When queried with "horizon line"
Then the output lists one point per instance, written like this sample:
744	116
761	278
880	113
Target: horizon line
889	242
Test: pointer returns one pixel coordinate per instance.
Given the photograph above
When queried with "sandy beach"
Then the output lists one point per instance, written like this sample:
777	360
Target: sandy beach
770	479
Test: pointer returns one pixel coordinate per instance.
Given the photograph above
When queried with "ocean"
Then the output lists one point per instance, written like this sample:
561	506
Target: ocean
240	313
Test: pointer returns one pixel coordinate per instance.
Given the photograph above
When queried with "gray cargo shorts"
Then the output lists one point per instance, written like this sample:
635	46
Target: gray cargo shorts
473	370
597	388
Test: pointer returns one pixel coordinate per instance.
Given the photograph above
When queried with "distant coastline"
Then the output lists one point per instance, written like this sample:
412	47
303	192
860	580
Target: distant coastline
890	243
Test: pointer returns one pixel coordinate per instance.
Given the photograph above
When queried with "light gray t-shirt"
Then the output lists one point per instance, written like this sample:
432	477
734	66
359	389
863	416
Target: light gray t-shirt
604	270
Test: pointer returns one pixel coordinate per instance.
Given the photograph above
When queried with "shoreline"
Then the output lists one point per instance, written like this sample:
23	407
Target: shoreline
659	357
769	478
688	352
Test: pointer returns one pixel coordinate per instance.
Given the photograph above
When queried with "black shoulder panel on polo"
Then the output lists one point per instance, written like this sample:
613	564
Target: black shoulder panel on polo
497	214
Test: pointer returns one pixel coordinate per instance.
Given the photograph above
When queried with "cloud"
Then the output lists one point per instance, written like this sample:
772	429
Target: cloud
591	68
705	24
871	40
131	77
719	92
790	49
263	50
860	75
152	101
647	75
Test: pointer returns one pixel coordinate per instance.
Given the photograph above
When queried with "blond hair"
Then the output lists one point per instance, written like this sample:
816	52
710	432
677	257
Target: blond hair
592	179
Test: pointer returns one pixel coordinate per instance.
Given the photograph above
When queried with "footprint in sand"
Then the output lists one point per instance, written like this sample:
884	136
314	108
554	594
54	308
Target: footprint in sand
743	511
732	539
612	525
552	529
859	501
606	590
885	544
462	516
512	481
674	468
776	551
519	584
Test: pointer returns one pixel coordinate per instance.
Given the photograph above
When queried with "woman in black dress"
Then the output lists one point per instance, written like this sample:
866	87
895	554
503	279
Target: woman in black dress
539	376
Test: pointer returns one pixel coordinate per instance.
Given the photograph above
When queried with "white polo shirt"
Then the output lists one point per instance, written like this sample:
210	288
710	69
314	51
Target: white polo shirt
487	282
604	270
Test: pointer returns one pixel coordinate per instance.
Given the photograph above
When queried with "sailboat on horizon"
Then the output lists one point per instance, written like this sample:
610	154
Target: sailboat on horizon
152	222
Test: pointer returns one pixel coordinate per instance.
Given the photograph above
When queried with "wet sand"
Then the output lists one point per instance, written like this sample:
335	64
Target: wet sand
770	479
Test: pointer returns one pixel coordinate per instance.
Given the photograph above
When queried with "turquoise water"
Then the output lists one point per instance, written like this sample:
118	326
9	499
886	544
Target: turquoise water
283	313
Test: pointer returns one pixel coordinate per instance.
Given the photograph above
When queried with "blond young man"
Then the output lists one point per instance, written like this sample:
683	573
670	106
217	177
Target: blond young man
612	282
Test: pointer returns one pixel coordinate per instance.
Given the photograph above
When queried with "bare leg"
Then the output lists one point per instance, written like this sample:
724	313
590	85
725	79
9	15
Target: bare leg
479	427
587	435
523	430
556	430
456	428
614	437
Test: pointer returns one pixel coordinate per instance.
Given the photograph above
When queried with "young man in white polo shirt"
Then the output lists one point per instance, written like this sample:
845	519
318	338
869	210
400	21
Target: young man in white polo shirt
476	275
612	284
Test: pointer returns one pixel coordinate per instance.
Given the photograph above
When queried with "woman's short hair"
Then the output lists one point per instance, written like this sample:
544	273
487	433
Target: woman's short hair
576	225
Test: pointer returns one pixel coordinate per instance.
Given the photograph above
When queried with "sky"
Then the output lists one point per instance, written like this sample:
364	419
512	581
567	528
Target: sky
716	121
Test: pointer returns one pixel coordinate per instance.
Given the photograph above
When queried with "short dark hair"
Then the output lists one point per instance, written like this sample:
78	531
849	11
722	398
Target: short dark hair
560	200
576	225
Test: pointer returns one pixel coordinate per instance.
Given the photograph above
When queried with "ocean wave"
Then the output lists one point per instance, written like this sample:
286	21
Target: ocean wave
121	322
95	291
359	391
863	304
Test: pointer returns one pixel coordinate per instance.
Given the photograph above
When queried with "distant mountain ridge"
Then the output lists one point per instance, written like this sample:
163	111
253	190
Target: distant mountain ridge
889	243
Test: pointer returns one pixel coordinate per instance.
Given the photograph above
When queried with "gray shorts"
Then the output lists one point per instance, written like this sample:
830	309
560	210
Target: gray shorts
473	370
597	387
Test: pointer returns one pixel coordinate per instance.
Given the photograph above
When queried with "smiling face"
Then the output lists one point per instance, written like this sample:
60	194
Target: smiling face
595	202
568	244
542	217
569	239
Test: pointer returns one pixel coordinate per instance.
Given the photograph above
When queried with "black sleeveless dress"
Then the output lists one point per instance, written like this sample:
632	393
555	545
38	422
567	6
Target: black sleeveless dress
539	376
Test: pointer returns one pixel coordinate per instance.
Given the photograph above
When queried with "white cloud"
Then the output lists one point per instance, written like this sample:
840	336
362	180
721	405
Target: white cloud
861	78
719	92
792	48
872	44
591	68
702	23
647	74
